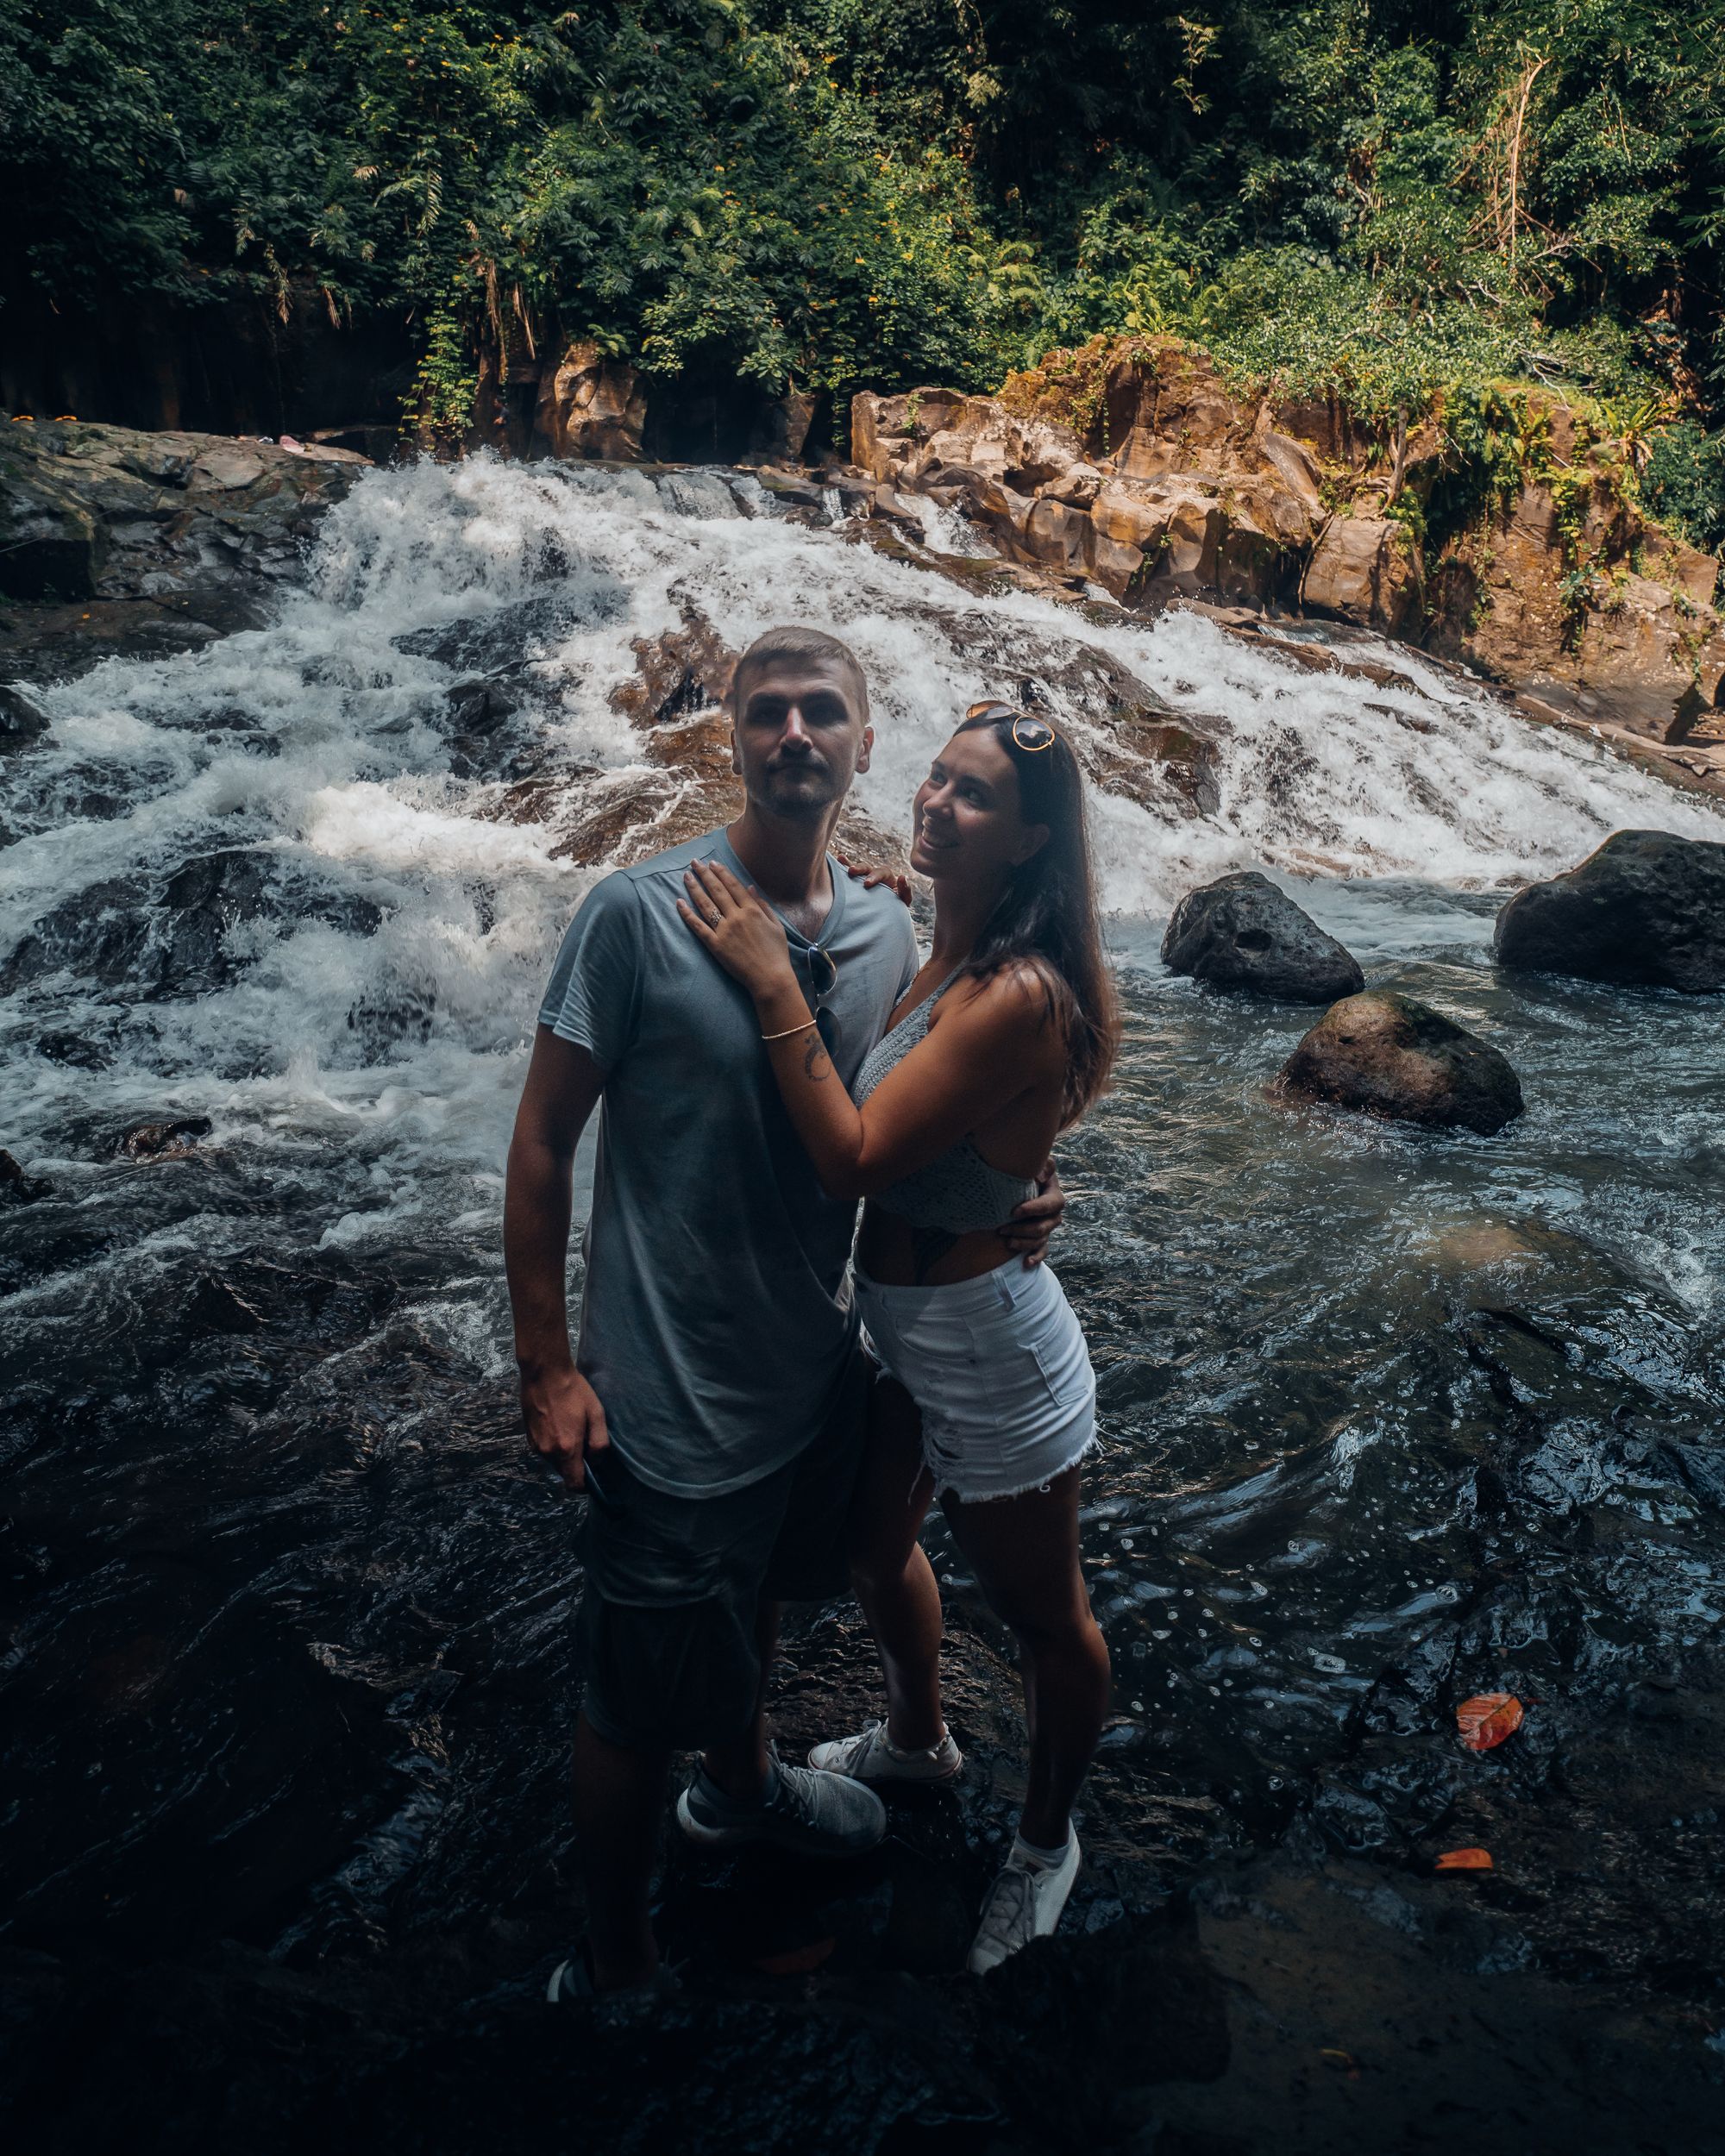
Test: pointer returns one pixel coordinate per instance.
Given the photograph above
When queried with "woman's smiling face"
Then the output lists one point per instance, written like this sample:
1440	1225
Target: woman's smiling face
966	822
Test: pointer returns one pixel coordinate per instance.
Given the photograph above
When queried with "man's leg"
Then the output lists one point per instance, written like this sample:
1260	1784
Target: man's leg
739	1766
742	1794
791	1549
620	1802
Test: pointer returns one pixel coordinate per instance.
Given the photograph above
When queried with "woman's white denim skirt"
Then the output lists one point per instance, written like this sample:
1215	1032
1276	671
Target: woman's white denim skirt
998	1367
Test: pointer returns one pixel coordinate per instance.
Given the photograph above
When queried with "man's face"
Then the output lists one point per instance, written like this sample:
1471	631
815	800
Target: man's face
800	736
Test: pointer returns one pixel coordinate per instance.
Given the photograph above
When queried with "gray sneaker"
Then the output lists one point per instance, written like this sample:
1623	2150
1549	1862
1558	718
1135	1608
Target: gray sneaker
815	1814
1023	1904
871	1756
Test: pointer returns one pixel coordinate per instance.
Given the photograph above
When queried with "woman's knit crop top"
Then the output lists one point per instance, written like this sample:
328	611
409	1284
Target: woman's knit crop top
958	1192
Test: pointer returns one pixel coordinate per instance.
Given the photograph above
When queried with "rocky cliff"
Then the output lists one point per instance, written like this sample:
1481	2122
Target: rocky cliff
1136	469
114	540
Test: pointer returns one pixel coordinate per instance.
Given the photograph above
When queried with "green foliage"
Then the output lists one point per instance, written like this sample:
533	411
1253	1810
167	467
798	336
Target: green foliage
1373	197
1684	484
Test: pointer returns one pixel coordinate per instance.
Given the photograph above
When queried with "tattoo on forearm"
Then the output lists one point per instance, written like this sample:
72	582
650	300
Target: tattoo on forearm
815	1064
928	1247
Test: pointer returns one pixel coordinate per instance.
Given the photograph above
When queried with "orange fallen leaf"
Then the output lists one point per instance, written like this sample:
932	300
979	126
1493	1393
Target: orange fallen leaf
1465	1860
1487	1719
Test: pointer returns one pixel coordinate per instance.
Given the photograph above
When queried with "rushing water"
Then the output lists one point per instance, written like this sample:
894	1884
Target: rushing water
1387	1414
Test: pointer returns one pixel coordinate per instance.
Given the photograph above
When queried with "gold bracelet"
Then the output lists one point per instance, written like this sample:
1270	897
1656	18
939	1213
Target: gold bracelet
789	1029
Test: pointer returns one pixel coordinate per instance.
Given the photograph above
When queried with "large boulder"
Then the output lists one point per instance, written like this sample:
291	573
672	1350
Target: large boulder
1390	1056
1242	932
1362	569
1646	909
52	544
118	543
591	406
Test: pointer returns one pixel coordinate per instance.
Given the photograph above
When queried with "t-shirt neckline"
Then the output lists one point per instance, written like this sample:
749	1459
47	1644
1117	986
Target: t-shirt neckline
829	927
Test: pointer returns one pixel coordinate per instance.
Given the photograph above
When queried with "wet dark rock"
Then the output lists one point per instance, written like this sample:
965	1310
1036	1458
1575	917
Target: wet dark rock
22	719
383	1022
172	940
116	542
511	635
1392	1055
100	933
1242	932
216	1306
16	1189
1647	909
75	1050
210	896
161	1140
480	704
1116	2012
792	489
84	796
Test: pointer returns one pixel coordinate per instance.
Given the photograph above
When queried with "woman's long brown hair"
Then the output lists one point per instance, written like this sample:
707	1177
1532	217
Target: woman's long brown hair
1047	914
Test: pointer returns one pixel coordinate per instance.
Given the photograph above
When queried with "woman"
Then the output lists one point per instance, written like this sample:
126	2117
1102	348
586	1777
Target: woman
1003	1039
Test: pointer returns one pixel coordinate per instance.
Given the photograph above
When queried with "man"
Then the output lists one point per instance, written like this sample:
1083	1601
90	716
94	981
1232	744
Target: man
713	1413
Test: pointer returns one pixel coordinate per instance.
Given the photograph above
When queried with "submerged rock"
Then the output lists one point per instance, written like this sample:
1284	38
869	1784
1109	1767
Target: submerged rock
1242	932
180	938
217	1306
22	719
76	1049
16	1189
1391	1056
1646	909
164	1140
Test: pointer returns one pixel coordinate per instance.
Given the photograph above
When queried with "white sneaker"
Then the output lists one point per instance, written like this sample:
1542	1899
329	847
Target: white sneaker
1023	1904
871	1756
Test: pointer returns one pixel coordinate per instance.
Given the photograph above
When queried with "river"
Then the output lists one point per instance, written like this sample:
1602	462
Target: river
1389	1416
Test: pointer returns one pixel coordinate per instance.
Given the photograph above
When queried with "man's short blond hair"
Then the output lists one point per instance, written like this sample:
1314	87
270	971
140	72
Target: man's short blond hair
791	643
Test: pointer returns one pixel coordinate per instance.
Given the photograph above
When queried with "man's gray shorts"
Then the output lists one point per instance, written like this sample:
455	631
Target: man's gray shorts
667	1621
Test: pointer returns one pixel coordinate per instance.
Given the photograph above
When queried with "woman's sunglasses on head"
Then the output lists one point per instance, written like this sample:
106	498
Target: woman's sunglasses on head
1028	733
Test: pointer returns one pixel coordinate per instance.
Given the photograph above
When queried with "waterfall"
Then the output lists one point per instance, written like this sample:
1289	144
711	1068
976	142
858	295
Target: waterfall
380	927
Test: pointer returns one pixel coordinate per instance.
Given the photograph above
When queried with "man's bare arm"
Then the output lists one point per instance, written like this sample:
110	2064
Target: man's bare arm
1031	1228
562	1413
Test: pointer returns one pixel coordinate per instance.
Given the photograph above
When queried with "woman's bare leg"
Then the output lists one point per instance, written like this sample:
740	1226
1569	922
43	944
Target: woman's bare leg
1025	1550
893	1578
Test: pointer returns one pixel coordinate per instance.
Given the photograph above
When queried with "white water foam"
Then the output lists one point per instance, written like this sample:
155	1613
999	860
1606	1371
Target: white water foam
322	745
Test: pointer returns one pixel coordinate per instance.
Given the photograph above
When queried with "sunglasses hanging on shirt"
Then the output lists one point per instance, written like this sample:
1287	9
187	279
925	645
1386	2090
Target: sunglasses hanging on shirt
823	972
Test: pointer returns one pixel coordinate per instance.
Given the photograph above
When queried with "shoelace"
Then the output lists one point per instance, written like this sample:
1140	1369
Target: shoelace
861	1746
858	1747
1012	1908
794	1789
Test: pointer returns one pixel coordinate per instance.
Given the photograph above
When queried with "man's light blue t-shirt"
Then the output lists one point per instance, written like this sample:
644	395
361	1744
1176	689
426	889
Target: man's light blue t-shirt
715	1318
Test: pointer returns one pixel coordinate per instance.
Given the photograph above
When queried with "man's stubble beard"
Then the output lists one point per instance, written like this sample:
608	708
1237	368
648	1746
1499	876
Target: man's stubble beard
809	798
